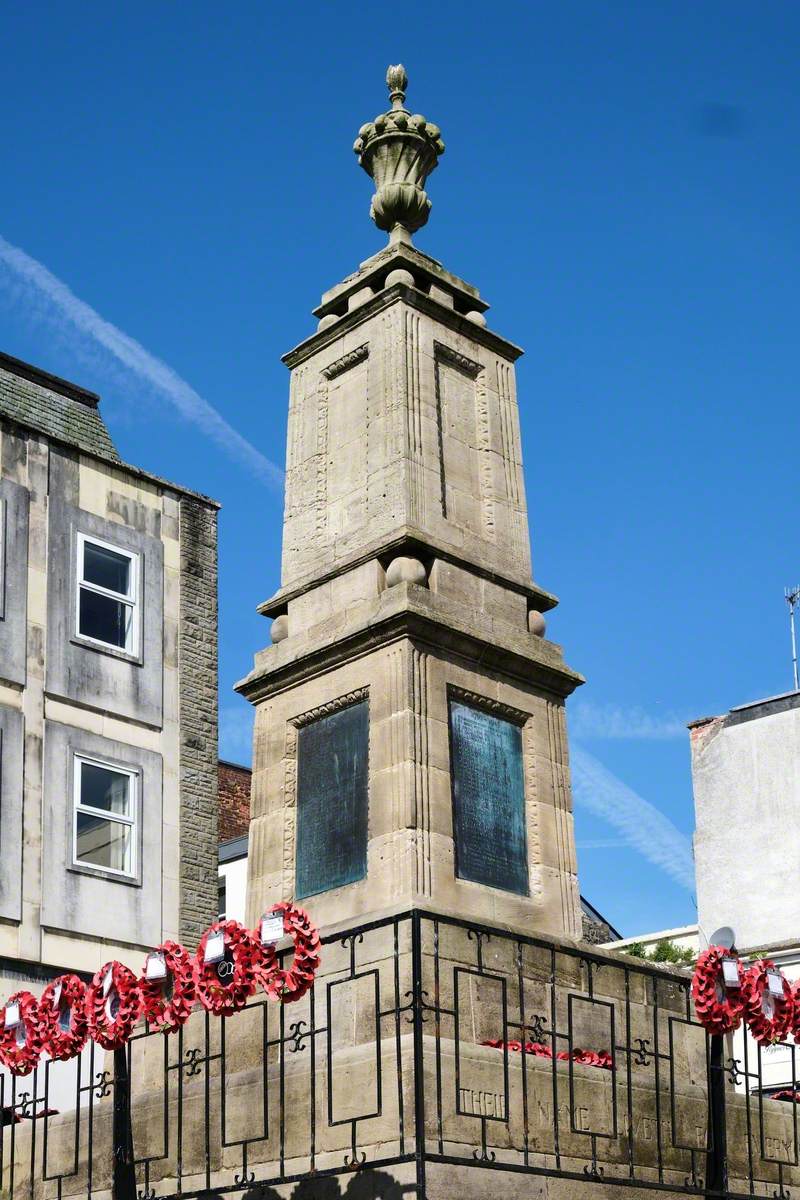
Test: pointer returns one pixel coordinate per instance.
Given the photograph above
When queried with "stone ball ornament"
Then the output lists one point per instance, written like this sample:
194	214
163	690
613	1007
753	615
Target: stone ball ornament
398	150
399	276
279	629
536	623
405	570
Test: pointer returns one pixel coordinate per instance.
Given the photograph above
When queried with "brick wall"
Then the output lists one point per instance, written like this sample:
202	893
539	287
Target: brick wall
234	800
198	707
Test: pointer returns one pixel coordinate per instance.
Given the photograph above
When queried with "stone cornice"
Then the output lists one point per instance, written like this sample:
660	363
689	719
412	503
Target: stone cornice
460	361
424	626
407	540
346	362
332	706
410	258
487	704
416	299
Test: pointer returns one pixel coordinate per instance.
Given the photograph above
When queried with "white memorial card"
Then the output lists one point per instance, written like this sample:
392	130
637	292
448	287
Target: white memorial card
730	973
56	995
215	948
271	928
12	1015
156	967
775	982
108	979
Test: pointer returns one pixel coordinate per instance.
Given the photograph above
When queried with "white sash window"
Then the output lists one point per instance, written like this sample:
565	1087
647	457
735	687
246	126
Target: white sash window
107	603
105	817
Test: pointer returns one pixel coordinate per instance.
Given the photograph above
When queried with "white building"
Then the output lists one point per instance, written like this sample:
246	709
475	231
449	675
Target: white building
233	878
746	783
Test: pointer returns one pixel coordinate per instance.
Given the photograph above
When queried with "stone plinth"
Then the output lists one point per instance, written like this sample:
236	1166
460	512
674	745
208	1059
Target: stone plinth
397	1072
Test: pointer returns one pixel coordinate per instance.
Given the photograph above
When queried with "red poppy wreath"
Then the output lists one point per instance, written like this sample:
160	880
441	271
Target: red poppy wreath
21	1043
168	986
62	1017
288	985
228	979
796	1011
769	1017
719	1009
113	1005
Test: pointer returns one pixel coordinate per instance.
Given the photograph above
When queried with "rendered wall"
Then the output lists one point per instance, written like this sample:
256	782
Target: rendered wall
746	780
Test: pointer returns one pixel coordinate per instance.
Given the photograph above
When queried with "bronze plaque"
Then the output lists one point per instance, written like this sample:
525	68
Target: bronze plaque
332	781
488	799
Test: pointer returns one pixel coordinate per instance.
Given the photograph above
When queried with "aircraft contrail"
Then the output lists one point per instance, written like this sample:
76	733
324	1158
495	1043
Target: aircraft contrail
639	822
132	355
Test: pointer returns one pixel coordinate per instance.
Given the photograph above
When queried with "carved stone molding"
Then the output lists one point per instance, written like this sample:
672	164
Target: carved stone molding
351	359
529	760
331	706
459	361
289	812
421	757
487	704
484	455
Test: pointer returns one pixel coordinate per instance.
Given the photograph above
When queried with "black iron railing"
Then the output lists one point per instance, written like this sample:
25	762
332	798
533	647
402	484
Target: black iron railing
427	1043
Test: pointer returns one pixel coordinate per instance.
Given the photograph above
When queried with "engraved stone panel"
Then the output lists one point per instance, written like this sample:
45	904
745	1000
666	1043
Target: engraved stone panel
457	431
481	1081
353	1006
347	445
332	777
488	799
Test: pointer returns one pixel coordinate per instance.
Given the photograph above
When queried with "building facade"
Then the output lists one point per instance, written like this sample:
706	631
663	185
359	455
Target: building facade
746	782
108	692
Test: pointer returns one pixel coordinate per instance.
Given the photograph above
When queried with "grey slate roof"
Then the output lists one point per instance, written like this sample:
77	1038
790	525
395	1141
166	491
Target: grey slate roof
53	406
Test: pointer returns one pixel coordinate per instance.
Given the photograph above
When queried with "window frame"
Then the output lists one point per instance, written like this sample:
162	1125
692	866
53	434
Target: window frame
132	821
132	600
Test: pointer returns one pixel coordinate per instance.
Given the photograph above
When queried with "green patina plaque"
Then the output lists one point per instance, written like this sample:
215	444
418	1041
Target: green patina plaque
332	783
488	799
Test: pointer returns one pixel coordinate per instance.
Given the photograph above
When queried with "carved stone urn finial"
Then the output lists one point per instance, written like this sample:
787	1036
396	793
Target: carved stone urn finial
398	151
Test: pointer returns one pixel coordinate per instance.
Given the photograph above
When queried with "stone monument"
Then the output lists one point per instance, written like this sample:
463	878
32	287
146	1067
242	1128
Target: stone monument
411	788
410	740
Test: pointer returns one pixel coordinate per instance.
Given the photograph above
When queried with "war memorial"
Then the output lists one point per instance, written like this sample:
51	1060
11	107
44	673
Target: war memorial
411	791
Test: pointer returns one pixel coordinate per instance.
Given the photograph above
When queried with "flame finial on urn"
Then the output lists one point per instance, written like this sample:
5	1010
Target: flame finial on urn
398	151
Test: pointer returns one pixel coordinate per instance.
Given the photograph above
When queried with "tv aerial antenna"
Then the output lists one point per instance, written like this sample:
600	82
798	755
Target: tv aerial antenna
792	597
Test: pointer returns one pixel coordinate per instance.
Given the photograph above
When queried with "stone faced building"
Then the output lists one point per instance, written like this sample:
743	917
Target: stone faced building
410	739
108	694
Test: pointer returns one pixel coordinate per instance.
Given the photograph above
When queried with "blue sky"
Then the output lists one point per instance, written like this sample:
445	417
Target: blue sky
620	181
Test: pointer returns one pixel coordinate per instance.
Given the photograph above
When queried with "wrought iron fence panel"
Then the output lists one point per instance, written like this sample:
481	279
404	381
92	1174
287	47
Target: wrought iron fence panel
427	1042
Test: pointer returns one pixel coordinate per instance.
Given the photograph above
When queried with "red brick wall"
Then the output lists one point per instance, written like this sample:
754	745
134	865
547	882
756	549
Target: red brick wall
234	800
